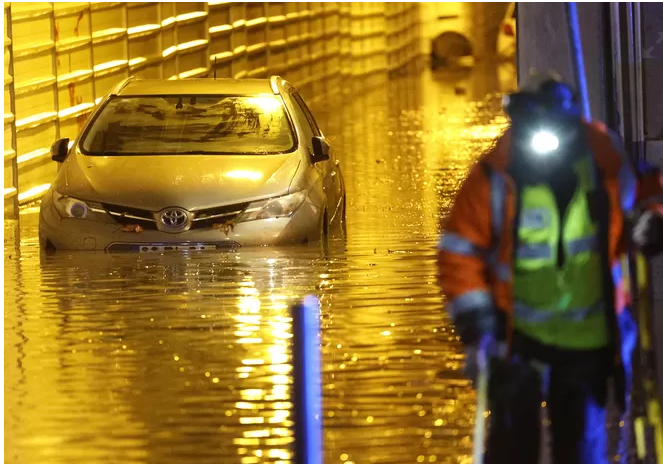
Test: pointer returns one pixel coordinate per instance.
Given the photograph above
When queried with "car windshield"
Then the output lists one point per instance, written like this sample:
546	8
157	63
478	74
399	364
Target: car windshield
172	125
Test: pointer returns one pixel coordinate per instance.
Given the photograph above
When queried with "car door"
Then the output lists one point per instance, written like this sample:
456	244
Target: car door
328	170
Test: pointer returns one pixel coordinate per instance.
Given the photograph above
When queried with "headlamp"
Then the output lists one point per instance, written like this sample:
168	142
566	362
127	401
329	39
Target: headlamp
544	142
68	207
274	208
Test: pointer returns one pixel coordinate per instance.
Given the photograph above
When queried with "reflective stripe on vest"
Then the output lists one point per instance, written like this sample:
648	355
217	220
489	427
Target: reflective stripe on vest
582	245
532	315
497	211
457	244
534	251
544	250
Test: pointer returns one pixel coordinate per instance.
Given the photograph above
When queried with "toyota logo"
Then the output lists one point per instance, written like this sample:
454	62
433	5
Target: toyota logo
174	219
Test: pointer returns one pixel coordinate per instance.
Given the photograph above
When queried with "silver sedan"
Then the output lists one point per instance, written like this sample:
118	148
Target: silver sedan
194	164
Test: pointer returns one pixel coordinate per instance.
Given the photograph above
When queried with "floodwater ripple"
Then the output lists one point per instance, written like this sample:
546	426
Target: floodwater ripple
168	358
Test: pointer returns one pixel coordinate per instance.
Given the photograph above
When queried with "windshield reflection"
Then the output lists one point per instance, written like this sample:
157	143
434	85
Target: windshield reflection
177	125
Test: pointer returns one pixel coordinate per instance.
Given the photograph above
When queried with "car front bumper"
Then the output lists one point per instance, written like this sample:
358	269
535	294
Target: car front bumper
88	234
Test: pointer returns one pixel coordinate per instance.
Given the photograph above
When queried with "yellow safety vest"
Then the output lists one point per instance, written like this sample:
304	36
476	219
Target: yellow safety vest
559	306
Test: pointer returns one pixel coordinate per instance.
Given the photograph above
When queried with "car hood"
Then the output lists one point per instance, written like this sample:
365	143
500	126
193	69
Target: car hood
188	181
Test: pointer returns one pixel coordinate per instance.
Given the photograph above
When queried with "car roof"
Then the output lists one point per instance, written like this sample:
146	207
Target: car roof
224	86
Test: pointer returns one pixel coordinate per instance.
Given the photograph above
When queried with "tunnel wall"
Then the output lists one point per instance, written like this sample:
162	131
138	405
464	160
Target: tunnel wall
61	58
543	45
652	70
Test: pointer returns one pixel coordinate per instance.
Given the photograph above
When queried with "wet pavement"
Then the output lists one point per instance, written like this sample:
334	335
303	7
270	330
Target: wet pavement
185	358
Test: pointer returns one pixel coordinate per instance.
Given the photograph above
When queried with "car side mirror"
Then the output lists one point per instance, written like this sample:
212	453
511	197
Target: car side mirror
320	149
59	150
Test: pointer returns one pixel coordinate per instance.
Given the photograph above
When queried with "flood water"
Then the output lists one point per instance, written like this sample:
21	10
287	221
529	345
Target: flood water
186	358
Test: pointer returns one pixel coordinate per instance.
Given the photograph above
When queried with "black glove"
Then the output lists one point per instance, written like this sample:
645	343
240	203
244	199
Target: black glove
648	233
493	350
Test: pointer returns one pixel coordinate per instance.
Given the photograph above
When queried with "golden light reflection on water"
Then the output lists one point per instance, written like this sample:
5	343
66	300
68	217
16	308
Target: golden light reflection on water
169	359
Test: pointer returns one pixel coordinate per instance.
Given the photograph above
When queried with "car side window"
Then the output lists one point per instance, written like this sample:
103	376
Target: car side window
307	113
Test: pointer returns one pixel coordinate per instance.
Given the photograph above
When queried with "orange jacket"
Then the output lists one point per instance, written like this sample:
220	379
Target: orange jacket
470	277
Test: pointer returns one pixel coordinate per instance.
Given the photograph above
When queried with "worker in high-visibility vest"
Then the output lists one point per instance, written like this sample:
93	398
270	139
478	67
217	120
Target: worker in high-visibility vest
530	258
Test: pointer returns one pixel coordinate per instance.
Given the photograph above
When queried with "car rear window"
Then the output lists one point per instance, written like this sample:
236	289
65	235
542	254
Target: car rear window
190	124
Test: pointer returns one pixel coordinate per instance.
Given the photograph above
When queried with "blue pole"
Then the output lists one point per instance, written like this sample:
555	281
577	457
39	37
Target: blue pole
577	58
307	402
578	65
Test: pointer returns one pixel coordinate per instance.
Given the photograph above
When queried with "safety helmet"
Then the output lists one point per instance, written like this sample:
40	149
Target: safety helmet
543	96
545	116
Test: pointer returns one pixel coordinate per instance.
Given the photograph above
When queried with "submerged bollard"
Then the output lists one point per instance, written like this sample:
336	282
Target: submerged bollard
307	378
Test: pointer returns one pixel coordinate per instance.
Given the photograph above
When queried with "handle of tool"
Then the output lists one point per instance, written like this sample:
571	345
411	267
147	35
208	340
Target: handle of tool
482	400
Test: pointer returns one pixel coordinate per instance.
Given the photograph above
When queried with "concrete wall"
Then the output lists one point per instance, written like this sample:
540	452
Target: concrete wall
652	68
543	45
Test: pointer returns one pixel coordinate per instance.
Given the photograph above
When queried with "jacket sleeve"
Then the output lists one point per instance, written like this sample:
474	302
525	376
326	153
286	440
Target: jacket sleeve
648	187
462	267
641	185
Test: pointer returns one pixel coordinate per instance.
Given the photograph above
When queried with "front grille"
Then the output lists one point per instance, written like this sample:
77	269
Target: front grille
125	215
202	219
206	218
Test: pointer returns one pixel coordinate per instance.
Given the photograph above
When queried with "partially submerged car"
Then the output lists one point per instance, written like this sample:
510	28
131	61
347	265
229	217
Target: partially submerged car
194	164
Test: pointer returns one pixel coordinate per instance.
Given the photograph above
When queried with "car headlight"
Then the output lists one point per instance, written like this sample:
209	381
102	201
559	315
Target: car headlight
68	207
274	208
